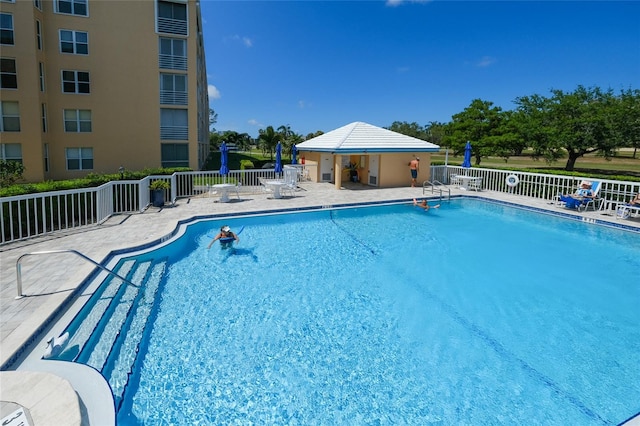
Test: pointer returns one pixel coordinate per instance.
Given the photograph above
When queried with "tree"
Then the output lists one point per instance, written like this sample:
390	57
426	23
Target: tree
288	138
532	119
435	132
627	119
480	124
313	135
213	119
268	139
409	129
576	123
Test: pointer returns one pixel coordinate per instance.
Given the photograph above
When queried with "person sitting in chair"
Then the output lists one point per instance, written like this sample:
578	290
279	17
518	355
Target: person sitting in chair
578	198
226	237
424	205
636	200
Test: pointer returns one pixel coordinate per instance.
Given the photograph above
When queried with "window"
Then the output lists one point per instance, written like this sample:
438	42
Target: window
76	42
6	28
10	116
46	157
173	54
172	18
8	75
11	152
44	118
175	155
38	35
174	124
72	7
79	158
37	4
77	120
41	69
75	82
173	89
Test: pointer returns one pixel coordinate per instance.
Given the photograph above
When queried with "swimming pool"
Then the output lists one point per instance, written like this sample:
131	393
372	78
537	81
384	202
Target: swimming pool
476	313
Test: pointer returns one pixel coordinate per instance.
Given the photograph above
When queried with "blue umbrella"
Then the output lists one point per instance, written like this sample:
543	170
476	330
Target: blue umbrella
224	168
278	168
294	154
467	155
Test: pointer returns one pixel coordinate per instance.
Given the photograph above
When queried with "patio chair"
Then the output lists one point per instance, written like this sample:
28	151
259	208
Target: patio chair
265	187
290	181
455	180
475	184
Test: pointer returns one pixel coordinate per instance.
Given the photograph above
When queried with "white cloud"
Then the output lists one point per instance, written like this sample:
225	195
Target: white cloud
485	61
255	122
394	3
214	93
302	104
241	39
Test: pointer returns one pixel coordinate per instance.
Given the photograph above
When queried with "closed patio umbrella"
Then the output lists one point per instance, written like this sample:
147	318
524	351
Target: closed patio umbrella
224	168
294	155
278	167
467	155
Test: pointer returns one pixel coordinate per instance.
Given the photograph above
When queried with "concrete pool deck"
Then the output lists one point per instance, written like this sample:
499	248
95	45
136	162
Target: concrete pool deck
48	280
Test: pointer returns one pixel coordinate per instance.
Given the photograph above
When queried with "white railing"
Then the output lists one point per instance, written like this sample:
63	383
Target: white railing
27	216
536	185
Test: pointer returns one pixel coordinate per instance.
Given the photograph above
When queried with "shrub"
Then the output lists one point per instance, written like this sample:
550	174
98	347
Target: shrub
10	172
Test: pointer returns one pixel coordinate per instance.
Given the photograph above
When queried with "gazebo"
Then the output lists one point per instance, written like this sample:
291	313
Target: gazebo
375	156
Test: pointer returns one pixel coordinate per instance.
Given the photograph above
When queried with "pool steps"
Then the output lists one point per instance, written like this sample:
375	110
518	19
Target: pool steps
120	369
109	337
80	336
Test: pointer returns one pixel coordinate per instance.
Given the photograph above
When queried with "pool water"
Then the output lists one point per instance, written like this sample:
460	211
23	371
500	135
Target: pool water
474	313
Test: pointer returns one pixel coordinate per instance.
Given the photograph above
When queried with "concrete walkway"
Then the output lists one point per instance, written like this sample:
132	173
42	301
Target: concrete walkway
48	280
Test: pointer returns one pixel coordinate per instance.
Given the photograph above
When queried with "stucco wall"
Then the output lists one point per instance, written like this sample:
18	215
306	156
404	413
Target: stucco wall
393	170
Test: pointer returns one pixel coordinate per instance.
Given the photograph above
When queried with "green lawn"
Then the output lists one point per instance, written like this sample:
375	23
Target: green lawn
620	165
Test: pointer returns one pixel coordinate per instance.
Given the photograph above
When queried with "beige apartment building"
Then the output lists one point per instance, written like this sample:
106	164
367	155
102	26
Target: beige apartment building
89	86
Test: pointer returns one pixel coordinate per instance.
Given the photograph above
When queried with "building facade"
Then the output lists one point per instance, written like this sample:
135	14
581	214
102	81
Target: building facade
89	86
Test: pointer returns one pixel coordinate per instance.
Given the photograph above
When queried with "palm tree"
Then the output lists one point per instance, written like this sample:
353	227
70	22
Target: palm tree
268	139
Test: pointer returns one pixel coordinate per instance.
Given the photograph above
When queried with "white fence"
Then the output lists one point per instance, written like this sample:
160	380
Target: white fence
27	216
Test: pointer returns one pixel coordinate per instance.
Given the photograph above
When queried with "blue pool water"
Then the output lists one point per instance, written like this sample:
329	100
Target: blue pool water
476	313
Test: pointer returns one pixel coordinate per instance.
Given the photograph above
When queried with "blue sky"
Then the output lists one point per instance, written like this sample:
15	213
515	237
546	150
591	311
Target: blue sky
320	65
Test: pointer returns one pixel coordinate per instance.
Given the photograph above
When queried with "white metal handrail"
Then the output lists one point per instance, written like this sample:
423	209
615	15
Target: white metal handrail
440	185
19	267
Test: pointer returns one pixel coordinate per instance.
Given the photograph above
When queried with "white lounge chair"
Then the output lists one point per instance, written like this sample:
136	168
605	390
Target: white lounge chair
627	211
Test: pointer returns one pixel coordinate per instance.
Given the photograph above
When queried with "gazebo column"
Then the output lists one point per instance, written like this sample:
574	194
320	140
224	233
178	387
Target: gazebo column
337	170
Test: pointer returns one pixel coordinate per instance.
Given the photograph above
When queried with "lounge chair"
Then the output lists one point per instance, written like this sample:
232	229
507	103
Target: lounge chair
578	202
627	211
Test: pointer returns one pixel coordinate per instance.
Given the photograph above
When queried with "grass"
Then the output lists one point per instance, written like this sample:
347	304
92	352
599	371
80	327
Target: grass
622	164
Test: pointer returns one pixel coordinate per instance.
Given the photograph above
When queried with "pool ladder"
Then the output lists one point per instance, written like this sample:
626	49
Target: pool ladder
19	267
428	183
